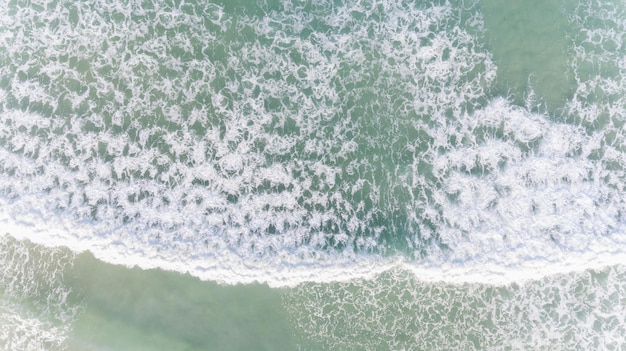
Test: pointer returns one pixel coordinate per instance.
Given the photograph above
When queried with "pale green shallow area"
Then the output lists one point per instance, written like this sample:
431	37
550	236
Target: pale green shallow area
131	309
110	307
155	310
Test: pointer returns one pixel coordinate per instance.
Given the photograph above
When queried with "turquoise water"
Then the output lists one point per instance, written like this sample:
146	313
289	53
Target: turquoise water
284	175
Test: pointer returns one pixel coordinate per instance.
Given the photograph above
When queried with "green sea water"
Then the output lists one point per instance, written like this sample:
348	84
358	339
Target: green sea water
312	175
107	307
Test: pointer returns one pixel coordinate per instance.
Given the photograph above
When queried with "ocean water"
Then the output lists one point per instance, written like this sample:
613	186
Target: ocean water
312	175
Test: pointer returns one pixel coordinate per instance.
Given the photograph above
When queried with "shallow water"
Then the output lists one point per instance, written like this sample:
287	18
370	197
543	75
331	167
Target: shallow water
312	175
99	306
134	309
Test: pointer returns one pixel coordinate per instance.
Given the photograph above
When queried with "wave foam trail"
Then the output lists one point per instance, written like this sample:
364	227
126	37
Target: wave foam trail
395	311
289	142
37	307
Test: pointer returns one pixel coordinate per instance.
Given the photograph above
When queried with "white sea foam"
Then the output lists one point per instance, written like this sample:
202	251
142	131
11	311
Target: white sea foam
35	313
276	159
396	311
18	332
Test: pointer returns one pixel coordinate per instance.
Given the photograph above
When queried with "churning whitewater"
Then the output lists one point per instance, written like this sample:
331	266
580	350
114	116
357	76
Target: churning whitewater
308	141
